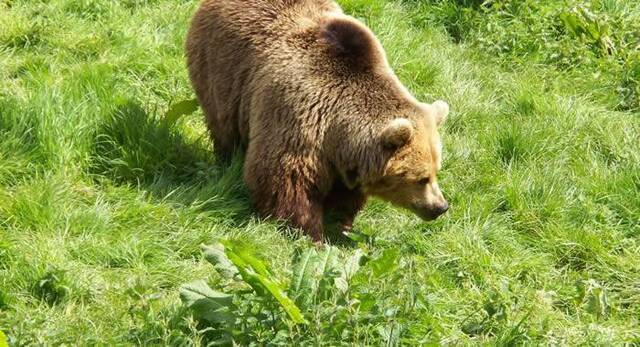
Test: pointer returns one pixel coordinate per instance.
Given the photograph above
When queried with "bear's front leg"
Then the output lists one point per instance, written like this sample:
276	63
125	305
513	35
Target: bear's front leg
286	198
299	210
308	218
345	204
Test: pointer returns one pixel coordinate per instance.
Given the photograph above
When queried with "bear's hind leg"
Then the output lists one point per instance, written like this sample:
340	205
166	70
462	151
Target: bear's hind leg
223	147
225	137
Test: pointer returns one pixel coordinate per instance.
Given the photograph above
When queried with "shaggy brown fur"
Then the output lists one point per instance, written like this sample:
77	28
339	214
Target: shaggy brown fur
307	92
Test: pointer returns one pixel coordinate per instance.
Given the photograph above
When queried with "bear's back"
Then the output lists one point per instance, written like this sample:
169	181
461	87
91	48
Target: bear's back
231	41
260	21
276	65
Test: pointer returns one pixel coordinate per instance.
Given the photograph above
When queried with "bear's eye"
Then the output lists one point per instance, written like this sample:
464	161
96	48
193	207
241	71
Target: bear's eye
424	181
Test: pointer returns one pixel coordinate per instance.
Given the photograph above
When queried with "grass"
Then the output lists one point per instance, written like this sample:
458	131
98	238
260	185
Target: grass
103	205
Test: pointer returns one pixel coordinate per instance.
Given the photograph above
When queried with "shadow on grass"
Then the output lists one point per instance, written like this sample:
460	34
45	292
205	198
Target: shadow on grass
132	147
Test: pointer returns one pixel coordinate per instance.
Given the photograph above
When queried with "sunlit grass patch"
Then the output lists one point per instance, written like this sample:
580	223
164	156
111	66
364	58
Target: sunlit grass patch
104	202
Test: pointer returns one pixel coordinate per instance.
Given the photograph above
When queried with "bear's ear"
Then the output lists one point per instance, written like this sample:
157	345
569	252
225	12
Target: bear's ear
349	41
441	111
397	133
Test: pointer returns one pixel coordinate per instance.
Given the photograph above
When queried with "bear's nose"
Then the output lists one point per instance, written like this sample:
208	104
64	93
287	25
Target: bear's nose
442	208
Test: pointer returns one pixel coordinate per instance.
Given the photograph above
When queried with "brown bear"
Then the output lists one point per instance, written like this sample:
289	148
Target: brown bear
307	93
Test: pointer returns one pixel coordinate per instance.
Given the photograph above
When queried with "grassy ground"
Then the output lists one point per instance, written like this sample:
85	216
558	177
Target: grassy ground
103	205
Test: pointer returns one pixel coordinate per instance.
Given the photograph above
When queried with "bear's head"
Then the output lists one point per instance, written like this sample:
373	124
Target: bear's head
414	157
398	148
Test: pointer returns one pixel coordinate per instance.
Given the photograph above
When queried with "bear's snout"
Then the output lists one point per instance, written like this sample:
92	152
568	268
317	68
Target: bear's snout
441	209
431	212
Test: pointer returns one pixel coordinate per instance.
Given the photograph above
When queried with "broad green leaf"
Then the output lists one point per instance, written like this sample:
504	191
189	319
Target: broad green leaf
385	263
367	301
328	271
278	293
206	303
351	267
341	284
256	264
216	256
245	257
571	22
256	274
597	302
245	270
179	109
357	237
304	284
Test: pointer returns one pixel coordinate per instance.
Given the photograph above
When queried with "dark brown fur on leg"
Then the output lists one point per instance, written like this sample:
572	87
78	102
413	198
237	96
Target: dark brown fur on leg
309	220
291	200
345	204
224	137
224	150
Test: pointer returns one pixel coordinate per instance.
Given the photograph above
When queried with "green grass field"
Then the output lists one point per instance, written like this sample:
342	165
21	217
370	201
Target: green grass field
104	204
